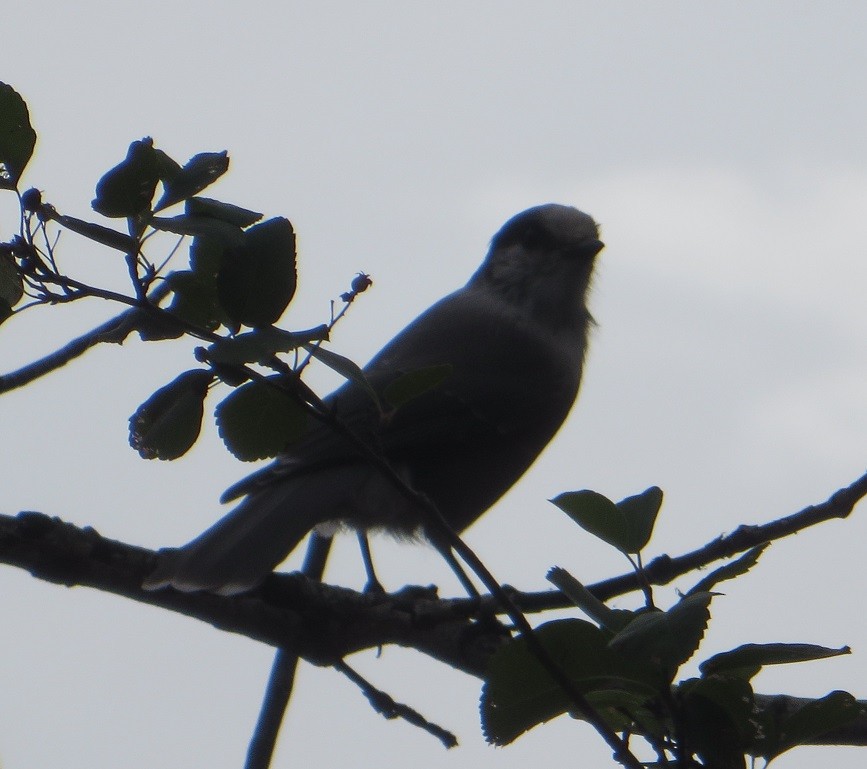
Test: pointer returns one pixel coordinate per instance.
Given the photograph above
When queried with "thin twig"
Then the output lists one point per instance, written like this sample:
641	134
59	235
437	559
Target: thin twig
114	331
360	284
664	568
384	704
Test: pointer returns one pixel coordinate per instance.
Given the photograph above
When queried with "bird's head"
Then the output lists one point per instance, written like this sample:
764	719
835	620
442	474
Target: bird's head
540	262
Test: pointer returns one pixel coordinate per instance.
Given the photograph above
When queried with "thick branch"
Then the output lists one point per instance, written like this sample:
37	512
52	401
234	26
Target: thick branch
323	623
853	733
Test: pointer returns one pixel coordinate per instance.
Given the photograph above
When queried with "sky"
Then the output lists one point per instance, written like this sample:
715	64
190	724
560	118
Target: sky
723	150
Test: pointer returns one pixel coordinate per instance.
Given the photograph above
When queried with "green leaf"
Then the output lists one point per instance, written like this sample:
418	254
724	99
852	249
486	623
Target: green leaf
195	299
17	137
257	281
157	327
747	660
811	721
626	525
199	172
594	513
167	168
718	716
625	710
345	367
412	384
640	513
206	260
225	212
128	189
11	284
5	310
206	256
97	233
518	693
199	225
611	619
667	638
167	424
731	570
260	345
258	420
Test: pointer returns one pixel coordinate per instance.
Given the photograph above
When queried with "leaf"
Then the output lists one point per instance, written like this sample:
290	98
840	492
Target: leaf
259	420
167	424
185	224
747	660
345	367
206	260
17	137
206	256
5	310
167	168
225	212
640	514
811	721
594	513
199	172
257	281
731	570
412	384
624	710
518	693
195	299
157	327
260	345
97	233
667	638
718	716
11	284
626	525
128	189
611	619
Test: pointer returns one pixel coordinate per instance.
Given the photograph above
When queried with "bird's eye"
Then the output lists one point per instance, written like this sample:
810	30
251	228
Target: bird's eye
532	236
526	233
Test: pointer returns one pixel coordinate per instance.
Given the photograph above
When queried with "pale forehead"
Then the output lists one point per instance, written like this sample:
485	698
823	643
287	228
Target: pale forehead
562	224
565	222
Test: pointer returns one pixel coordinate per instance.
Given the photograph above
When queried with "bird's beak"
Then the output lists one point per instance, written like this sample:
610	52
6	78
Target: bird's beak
586	249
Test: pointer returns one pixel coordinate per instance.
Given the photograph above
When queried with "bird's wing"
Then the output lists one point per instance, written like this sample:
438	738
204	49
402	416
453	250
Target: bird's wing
465	407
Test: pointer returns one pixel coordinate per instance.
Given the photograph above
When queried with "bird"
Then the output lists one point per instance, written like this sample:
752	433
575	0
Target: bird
512	342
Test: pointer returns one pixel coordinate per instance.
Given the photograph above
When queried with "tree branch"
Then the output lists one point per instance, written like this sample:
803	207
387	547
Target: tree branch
323	623
114	331
665	568
385	705
282	679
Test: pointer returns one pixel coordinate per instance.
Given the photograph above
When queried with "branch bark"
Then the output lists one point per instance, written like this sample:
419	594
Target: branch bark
113	331
324	623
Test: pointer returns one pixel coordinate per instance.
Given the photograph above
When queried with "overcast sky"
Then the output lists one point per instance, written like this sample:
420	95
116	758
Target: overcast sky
723	148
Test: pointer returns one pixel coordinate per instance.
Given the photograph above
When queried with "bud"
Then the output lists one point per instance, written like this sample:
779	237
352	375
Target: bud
31	200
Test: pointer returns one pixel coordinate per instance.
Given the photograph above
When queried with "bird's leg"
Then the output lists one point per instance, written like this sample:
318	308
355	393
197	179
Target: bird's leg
373	584
449	556
487	622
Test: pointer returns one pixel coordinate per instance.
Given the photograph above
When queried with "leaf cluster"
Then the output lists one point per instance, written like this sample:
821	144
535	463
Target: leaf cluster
238	281
626	663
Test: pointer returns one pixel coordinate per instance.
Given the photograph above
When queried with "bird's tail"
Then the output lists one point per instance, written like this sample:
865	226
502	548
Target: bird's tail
238	551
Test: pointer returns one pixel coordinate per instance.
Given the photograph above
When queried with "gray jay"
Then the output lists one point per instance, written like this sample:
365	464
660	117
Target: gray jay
514	339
